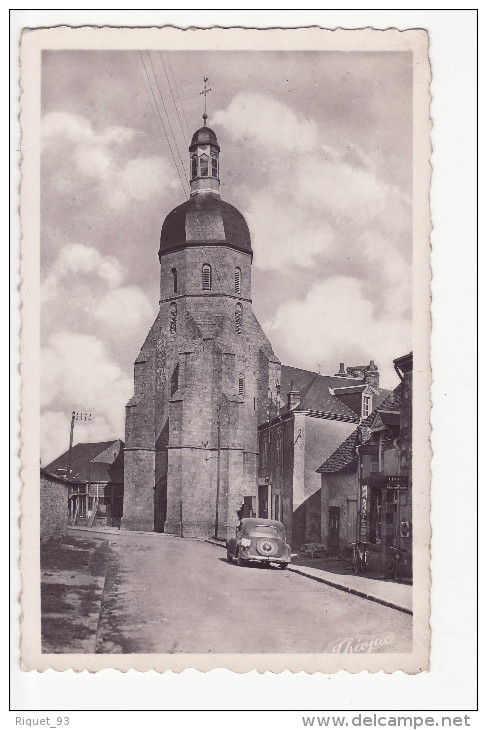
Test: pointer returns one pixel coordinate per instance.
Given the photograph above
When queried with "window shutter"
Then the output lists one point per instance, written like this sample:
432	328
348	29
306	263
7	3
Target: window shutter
206	277
237	280
241	385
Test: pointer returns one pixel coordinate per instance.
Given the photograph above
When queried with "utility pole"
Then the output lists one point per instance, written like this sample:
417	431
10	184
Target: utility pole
218	459
75	416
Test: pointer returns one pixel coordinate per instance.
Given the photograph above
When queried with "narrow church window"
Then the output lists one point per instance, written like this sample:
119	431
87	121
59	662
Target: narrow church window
175	380
194	166
174	275
241	385
204	165
238	275
238	318
206	277
214	165
173	314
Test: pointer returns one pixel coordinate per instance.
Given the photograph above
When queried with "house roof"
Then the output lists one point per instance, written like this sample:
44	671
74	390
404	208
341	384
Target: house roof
345	457
389	418
85	466
326	393
58	479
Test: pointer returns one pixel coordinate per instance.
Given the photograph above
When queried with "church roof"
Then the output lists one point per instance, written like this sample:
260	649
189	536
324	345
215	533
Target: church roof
204	135
205	219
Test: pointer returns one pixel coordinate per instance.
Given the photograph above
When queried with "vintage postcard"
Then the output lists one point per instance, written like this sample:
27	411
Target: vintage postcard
225	349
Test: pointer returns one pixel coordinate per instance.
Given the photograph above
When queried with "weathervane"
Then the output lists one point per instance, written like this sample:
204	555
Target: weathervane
205	92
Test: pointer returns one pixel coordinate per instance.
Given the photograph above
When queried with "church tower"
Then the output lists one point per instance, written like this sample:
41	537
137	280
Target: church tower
205	373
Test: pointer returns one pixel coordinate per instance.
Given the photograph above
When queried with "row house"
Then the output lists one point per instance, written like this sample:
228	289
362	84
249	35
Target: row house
311	415
366	489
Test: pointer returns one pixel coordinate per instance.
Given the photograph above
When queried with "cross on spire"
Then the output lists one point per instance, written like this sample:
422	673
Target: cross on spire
205	92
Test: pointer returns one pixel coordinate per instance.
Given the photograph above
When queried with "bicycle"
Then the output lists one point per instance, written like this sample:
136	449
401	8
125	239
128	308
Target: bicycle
396	567
359	557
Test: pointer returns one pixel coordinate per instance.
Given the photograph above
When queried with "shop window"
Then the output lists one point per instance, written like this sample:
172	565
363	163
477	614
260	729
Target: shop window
204	165
206	277
375	533
238	318
238	277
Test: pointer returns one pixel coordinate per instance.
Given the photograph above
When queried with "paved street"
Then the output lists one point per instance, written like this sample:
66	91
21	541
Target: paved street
167	595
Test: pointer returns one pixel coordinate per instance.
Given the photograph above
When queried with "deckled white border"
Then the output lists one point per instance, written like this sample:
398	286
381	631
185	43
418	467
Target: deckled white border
33	42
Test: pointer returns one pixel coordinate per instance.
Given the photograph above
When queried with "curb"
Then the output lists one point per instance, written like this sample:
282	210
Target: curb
338	586
353	591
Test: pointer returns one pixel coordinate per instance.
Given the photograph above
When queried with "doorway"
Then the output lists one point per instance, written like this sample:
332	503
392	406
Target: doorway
334	528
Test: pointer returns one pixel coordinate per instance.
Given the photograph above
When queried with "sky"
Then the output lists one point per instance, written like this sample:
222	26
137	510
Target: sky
316	152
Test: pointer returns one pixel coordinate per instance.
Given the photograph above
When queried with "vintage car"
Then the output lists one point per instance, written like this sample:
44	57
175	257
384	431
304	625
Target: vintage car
259	540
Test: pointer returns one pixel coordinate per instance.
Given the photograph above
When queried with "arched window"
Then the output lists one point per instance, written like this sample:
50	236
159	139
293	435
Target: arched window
204	165
194	166
238	277
238	318
241	384
206	277
173	315
214	164
174	275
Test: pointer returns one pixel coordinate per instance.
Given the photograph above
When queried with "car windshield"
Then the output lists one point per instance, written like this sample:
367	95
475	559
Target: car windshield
266	529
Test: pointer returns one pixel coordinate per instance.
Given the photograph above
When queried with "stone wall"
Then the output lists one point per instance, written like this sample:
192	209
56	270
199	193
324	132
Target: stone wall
53	507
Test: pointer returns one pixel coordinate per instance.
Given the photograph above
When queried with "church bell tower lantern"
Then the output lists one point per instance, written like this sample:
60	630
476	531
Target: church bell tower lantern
204	153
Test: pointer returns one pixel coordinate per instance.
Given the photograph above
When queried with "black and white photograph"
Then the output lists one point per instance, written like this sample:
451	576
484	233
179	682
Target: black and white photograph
232	396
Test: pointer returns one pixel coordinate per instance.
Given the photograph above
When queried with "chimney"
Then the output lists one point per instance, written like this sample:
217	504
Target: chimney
341	373
293	399
372	375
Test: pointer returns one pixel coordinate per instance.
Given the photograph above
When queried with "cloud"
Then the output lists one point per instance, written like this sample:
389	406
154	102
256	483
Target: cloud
77	259
254	117
336	323
82	161
77	372
126	309
312	203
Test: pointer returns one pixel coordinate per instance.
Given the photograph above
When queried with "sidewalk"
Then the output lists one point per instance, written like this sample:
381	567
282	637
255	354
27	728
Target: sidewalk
394	595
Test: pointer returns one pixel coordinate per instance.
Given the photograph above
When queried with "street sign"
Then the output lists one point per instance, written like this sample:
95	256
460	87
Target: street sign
397	483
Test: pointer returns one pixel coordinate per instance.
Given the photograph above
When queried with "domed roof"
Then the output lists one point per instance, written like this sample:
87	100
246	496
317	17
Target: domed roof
204	135
205	219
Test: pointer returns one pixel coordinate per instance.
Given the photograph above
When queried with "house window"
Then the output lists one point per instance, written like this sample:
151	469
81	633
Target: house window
214	167
173	315
241	385
366	405
174	275
206	277
194	166
238	276
238	318
204	165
